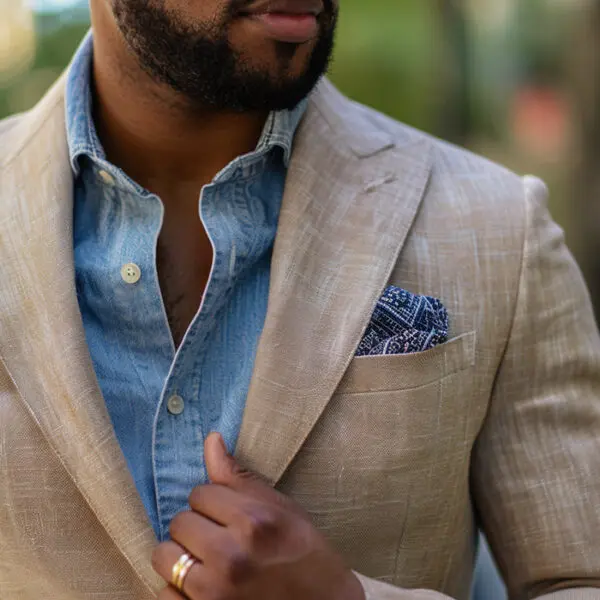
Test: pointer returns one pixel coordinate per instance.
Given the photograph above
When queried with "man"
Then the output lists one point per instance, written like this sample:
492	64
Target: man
259	342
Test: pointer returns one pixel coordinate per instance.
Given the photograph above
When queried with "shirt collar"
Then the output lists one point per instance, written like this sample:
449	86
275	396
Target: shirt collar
279	130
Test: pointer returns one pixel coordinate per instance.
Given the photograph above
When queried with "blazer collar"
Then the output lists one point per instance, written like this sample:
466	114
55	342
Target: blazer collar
351	196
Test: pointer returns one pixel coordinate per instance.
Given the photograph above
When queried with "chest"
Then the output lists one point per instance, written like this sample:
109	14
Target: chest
184	257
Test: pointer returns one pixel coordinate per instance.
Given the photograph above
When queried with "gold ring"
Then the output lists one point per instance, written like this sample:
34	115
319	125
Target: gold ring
180	570
183	573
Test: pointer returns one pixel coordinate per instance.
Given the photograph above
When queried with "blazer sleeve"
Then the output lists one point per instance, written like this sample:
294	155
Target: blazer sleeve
536	464
377	590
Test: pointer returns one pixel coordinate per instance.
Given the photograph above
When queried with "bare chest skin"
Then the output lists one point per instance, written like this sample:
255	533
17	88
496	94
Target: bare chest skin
184	260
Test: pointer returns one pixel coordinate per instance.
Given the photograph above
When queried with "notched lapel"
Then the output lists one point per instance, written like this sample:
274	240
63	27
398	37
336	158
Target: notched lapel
43	342
345	217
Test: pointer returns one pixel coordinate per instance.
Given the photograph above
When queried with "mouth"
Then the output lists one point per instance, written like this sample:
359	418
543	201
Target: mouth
290	21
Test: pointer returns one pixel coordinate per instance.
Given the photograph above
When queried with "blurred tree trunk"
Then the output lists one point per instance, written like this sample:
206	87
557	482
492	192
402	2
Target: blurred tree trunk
455	106
586	182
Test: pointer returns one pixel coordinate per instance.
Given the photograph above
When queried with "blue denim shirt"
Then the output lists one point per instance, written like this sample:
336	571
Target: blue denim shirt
163	402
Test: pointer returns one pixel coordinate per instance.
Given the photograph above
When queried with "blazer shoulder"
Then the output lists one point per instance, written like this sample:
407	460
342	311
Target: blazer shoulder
8	123
467	177
7	128
449	159
31	129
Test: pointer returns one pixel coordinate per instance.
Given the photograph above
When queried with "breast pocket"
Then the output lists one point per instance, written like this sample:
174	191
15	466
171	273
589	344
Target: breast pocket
386	468
407	371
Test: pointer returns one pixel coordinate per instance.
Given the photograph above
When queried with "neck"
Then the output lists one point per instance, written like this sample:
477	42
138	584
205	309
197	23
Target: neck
151	133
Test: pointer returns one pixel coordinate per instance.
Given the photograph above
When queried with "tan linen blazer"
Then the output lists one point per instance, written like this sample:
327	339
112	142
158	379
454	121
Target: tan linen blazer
396	457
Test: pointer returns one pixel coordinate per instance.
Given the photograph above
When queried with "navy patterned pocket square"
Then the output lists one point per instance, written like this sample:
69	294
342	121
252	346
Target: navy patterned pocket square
404	323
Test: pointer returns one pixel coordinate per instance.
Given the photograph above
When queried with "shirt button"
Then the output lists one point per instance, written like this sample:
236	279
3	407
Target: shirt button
175	405
106	177
131	273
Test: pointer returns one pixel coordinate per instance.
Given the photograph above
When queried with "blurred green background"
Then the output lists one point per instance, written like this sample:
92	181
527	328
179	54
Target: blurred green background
516	80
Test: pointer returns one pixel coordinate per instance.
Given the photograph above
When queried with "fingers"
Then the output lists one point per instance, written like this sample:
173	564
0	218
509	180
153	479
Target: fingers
222	565
219	503
217	547
164	558
255	525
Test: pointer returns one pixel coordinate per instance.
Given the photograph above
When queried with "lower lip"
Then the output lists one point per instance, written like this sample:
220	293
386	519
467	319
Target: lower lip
294	29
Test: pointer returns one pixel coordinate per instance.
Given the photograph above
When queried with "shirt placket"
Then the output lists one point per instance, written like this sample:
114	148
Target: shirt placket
182	421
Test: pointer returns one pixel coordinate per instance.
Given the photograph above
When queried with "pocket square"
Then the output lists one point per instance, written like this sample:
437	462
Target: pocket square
404	323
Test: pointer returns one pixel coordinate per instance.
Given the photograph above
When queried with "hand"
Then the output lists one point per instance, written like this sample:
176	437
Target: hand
251	542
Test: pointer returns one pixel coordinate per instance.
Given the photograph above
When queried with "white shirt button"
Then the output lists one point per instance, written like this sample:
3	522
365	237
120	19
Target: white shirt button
175	405
131	273
106	177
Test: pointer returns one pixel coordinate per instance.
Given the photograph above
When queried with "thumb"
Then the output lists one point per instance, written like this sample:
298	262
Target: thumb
220	465
223	469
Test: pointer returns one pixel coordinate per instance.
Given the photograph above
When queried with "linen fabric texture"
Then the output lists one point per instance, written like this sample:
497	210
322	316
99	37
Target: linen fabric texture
398	458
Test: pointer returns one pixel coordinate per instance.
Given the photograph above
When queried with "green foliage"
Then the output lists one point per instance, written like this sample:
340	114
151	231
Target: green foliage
386	57
57	38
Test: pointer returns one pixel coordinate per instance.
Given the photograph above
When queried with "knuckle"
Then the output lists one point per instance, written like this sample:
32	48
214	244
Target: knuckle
243	473
179	524
239	567
261	525
158	557
197	495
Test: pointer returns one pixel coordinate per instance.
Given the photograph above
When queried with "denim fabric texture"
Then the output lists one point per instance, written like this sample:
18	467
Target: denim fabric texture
117	222
404	323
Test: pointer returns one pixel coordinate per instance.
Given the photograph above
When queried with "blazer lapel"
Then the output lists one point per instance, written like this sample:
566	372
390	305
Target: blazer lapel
351	198
43	342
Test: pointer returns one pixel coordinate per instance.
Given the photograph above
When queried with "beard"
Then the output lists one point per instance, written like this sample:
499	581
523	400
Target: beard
199	63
